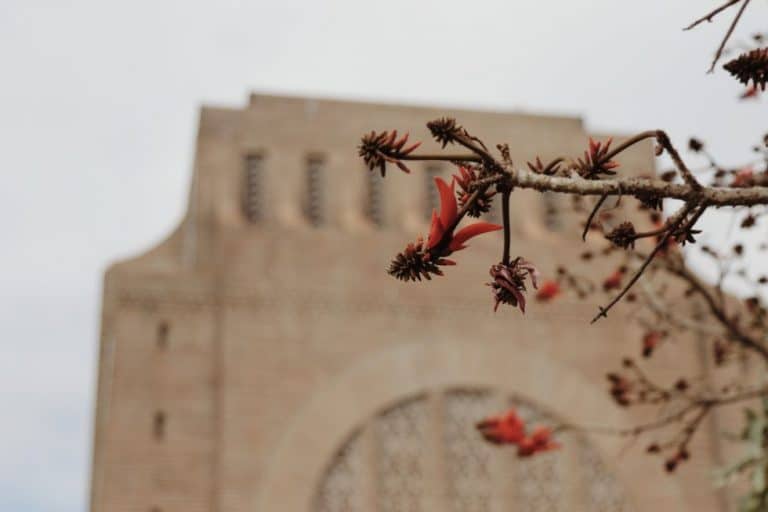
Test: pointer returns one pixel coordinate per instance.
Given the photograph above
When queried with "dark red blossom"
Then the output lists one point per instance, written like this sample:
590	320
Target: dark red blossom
421	259
743	178
613	281
621	388
651	340
538	442
508	428
441	238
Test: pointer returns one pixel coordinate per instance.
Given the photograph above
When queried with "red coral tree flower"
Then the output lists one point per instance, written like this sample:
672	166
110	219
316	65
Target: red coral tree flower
539	441
422	259
442	241
508	428
594	162
613	281
548	291
744	178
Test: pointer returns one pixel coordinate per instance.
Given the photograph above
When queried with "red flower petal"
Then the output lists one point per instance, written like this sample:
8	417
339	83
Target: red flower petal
594	147
548	291
436	231
467	232
448	207
508	428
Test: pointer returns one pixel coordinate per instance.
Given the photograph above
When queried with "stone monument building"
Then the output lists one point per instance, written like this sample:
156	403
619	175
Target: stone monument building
261	359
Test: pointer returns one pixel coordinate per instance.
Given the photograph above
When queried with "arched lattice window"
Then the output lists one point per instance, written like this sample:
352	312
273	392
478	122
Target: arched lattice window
424	454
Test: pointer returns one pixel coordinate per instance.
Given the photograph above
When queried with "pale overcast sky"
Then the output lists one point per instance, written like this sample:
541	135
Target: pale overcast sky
98	115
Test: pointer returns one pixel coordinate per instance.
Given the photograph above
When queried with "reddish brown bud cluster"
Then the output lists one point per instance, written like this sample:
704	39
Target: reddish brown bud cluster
446	130
633	387
509	428
748	177
538	167
467	179
651	340
621	388
414	263
680	456
720	351
751	66
508	282
695	145
378	149
650	201
594	163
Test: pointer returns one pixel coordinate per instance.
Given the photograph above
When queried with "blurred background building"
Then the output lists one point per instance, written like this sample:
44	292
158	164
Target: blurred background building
260	359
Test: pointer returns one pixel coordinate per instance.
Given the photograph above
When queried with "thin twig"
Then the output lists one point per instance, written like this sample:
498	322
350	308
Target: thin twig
684	211
705	404
688	177
442	158
592	215
708	17
648	134
731	325
728	35
507	229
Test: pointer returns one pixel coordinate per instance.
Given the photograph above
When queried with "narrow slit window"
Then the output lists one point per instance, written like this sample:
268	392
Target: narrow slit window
432	196
158	425
374	206
162	335
313	193
252	187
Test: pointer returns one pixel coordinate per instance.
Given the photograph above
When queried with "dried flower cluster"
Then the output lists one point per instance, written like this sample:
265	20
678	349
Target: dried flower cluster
508	284
596	161
750	67
468	179
378	149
